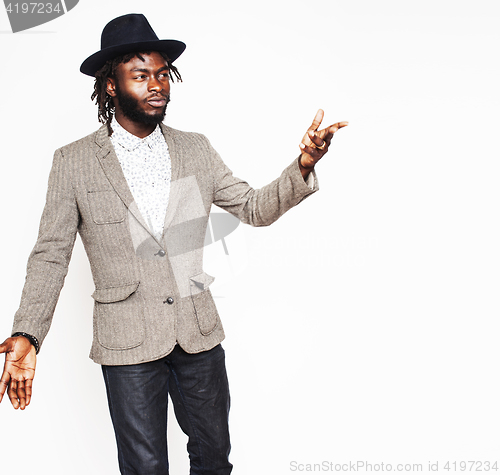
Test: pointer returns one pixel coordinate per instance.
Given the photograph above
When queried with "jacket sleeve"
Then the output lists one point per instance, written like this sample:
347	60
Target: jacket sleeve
48	262
260	207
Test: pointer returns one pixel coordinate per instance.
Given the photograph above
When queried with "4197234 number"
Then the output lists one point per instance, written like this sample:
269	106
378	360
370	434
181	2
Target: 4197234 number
37	8
471	466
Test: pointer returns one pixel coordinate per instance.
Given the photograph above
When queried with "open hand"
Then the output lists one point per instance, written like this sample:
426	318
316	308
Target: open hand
18	371
316	142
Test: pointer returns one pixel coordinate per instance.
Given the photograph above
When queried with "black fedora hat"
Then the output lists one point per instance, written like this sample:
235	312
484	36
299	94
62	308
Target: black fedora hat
127	34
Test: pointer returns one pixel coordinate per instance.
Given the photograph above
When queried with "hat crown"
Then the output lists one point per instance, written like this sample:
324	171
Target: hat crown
128	34
126	29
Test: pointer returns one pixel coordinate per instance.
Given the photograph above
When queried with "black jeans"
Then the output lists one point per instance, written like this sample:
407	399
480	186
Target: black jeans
138	398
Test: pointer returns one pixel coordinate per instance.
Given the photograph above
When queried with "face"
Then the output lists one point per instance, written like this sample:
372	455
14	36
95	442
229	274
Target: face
141	90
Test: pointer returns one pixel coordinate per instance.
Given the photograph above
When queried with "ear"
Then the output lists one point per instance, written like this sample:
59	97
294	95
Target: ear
111	87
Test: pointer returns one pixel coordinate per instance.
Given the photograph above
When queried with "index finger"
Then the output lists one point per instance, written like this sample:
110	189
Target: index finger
329	131
318	118
12	393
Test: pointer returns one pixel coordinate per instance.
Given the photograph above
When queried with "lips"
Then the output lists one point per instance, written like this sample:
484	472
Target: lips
157	101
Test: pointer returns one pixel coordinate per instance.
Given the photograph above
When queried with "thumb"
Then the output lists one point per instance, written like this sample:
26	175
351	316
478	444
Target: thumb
6	346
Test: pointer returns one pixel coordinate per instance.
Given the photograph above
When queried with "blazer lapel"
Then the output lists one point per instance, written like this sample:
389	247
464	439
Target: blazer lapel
175	164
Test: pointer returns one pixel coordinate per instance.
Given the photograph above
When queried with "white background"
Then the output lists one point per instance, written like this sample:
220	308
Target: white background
365	324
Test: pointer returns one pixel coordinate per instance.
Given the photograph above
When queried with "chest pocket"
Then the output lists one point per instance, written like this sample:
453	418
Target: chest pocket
106	207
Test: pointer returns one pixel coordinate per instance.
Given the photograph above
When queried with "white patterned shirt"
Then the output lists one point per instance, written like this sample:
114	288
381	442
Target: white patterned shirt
147	168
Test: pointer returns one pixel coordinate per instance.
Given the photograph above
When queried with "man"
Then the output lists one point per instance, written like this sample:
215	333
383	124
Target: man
139	193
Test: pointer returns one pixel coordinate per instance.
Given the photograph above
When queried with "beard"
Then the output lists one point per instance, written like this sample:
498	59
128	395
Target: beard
130	108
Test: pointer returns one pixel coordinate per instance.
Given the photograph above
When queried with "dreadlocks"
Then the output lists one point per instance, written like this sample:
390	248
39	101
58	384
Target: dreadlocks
103	100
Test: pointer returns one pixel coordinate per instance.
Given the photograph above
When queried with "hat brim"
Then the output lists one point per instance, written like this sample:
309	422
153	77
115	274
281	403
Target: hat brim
92	64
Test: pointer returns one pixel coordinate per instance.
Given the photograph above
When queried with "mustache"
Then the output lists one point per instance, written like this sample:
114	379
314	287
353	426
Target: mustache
159	96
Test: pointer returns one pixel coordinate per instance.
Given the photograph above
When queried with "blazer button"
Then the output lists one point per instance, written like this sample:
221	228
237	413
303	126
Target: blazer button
170	301
160	253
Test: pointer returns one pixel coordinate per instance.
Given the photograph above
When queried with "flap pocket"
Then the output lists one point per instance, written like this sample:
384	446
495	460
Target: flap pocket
114	294
119	317
200	281
106	207
203	303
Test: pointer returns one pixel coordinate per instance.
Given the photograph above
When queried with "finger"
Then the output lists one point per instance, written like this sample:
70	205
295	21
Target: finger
29	390
317	120
21	395
314	152
4	384
327	134
334	127
12	393
317	140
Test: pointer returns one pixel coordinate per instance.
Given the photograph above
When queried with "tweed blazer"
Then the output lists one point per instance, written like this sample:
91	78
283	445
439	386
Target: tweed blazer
149	293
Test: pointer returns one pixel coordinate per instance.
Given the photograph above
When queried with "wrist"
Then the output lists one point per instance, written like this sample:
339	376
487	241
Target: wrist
304	170
32	339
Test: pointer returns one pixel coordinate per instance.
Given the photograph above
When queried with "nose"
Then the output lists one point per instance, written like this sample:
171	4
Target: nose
155	84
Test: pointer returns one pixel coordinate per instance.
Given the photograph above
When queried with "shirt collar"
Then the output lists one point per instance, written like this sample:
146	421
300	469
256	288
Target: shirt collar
130	141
